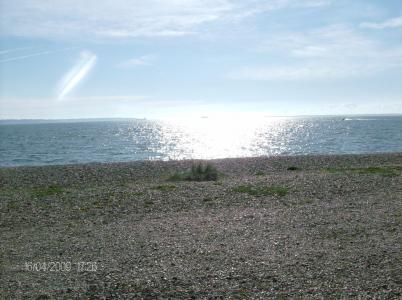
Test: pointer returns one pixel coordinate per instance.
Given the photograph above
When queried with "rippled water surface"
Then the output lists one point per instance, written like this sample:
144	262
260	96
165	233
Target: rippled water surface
109	141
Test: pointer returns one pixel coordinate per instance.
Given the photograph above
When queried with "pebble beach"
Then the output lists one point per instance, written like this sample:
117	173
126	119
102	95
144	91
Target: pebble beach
311	227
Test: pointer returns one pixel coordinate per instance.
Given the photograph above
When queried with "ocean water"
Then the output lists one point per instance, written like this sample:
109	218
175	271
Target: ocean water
213	137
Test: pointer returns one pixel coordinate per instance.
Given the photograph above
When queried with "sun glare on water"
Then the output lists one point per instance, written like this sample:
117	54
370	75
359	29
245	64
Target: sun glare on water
218	136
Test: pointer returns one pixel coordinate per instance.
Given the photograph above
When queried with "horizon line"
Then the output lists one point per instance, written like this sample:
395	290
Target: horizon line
201	116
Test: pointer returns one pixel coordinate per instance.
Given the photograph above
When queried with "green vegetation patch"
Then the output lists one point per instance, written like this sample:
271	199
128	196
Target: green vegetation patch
209	199
260	173
165	187
197	172
261	190
12	205
41	192
389	171
43	297
148	203
294	168
138	193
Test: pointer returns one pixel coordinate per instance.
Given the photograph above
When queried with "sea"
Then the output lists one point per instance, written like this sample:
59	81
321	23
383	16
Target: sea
35	143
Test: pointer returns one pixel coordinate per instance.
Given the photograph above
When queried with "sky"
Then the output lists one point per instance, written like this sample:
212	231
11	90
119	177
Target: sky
167	58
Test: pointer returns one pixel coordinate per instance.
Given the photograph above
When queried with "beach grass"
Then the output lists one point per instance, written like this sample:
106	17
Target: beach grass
198	172
40	192
165	187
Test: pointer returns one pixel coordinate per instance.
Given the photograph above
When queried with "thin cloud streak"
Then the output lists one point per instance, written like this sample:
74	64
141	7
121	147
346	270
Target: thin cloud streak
6	51
26	56
307	72
145	60
34	55
391	23
104	99
73	77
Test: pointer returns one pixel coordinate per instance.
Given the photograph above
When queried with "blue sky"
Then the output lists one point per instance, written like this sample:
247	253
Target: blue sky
166	58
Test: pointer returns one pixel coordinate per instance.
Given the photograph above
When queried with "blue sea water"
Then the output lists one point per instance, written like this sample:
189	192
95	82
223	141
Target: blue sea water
128	140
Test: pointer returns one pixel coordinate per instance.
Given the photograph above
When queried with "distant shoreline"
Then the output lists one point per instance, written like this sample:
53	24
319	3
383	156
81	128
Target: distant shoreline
73	120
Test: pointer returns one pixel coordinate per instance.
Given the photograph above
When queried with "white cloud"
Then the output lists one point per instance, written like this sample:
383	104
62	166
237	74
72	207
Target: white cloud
145	60
328	42
326	53
79	71
391	23
128	18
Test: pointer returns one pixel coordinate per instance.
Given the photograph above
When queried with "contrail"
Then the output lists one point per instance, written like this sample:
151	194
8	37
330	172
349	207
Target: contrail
34	54
14	50
77	73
